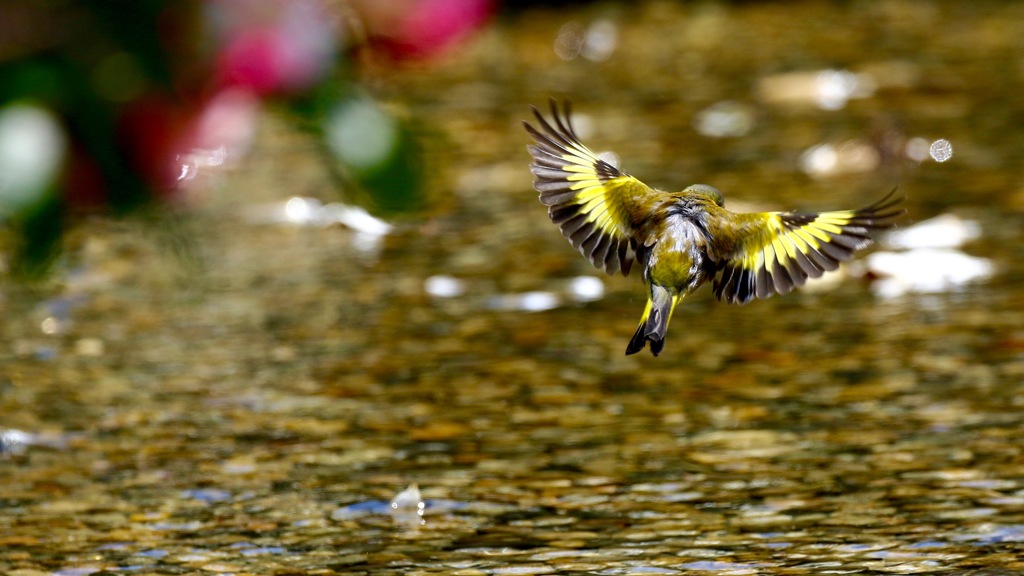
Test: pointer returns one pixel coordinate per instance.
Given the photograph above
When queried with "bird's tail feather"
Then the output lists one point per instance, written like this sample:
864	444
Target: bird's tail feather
654	322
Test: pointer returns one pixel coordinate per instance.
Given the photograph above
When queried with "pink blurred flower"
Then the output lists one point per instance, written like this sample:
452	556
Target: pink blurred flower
219	135
272	47
422	28
227	120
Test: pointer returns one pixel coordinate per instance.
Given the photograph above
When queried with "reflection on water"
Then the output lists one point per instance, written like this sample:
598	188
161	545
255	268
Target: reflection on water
261	412
929	260
826	89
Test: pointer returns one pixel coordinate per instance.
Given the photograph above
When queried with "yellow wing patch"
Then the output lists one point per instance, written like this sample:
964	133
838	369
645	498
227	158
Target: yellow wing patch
779	251
585	195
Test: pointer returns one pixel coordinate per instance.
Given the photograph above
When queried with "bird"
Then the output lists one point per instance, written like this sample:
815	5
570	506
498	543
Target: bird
682	240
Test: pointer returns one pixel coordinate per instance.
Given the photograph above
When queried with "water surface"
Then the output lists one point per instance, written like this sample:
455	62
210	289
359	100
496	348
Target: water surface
220	394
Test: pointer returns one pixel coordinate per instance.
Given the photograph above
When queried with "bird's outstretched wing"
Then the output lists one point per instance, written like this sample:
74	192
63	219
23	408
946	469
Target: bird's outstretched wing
595	205
774	252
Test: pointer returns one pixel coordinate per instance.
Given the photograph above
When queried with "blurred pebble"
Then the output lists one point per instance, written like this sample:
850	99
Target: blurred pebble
78	571
152	553
525	569
993	533
361	509
222	568
93	347
439	431
263	550
207	495
238	466
51	326
720	567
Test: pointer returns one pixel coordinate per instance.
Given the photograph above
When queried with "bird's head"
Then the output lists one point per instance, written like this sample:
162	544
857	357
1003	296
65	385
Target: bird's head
706	190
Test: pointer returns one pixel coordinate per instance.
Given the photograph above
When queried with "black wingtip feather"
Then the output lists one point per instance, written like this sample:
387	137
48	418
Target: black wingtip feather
556	146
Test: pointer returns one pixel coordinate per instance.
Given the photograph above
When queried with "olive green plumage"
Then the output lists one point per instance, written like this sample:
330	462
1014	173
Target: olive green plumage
683	239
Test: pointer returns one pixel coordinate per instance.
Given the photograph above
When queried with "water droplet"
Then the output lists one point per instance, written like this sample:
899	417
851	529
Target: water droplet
407	507
941	150
408	500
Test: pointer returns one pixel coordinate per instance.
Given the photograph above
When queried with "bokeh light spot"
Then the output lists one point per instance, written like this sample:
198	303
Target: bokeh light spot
32	147
361	135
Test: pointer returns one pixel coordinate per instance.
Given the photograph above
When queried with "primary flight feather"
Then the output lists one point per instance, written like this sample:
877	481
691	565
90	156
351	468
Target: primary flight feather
683	239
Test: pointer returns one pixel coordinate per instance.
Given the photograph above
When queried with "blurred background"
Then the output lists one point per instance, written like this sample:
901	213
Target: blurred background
278	296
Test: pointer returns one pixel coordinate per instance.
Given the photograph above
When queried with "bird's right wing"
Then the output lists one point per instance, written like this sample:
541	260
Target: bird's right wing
773	252
595	205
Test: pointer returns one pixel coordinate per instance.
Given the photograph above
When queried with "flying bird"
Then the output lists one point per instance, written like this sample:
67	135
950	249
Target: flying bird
683	239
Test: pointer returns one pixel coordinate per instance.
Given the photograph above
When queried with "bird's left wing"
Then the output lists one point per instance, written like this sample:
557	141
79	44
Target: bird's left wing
595	205
773	252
